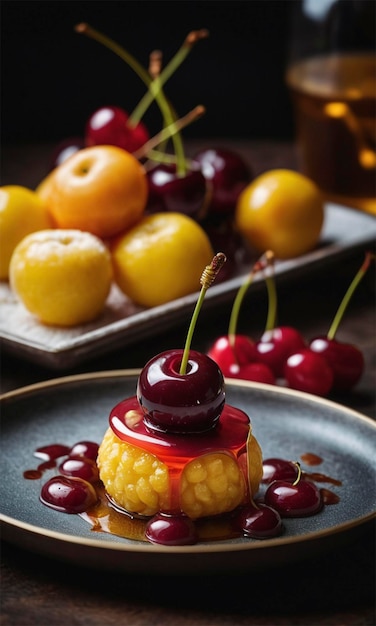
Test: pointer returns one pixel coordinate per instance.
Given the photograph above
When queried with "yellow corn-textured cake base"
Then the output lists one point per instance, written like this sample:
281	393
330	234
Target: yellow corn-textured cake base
210	485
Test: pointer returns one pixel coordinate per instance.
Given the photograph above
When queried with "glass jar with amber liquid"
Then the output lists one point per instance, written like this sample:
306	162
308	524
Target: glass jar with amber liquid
332	81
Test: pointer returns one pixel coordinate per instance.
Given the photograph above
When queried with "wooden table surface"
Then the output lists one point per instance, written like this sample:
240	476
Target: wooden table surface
336	588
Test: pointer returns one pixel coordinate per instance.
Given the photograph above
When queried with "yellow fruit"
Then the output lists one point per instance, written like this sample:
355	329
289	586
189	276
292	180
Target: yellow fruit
22	212
161	258
63	277
212	484
102	190
282	211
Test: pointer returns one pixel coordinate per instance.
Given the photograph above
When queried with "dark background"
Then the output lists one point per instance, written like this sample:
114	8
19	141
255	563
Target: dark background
53	78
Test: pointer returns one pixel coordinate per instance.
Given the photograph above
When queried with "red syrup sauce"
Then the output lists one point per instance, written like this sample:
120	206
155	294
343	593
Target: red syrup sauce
229	435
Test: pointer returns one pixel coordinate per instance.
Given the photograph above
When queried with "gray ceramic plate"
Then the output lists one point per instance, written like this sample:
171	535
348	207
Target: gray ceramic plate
286	423
122	322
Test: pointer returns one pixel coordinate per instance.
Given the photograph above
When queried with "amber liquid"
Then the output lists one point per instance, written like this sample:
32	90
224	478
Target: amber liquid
335	102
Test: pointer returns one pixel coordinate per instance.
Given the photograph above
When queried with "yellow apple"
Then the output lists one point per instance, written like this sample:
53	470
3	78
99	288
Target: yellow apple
161	258
22	211
281	210
63	277
102	190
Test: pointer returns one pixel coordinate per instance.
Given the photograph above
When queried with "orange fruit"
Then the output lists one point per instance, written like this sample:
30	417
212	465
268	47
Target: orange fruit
63	277
22	212
161	258
280	210
102	190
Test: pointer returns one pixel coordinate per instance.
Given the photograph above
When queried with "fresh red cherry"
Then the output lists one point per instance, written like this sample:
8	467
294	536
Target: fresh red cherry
299	499
109	125
276	345
169	191
171	530
254	372
259	522
181	403
65	149
232	353
279	469
308	371
223	236
345	360
228	174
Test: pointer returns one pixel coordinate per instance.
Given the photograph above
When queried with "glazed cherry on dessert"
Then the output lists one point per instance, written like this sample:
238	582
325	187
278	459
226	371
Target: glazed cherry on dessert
110	125
170	191
228	174
299	499
276	345
181	403
279	469
259	521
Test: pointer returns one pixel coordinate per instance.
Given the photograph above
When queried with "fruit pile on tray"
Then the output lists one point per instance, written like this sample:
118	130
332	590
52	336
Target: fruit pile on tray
121	207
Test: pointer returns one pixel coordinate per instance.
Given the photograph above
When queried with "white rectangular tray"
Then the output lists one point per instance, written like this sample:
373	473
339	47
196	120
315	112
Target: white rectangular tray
123	323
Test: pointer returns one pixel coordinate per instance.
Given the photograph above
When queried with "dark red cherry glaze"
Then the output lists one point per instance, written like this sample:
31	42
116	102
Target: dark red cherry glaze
171	530
276	345
279	469
345	360
294	500
259	521
228	175
181	403
88	449
80	468
308	371
168	191
109	126
230	356
68	495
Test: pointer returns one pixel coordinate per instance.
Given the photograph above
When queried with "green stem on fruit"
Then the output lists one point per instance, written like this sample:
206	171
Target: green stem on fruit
299	473
258	266
155	91
353	285
208	277
271	320
170	131
166	73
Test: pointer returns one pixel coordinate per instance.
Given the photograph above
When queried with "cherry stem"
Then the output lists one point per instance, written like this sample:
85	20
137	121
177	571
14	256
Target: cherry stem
353	285
166	73
271	320
170	131
299	473
258	266
154	86
208	277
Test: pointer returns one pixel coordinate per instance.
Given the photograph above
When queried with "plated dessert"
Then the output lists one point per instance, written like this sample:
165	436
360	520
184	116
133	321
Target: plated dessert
178	464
